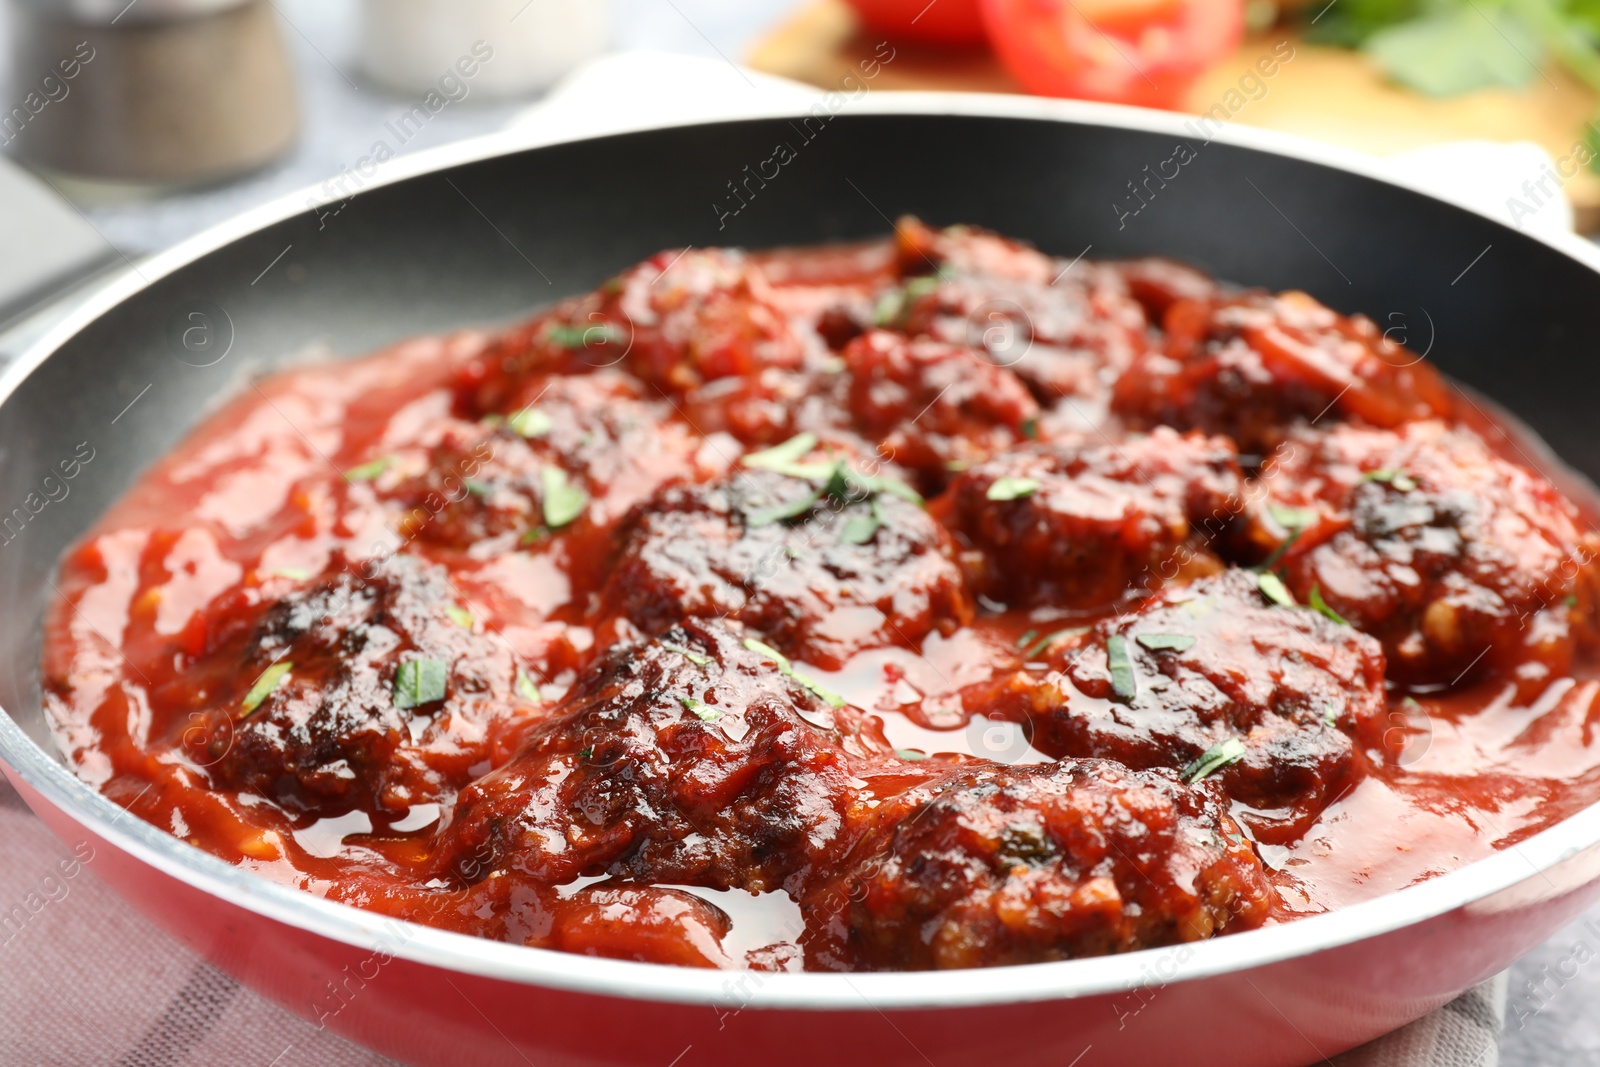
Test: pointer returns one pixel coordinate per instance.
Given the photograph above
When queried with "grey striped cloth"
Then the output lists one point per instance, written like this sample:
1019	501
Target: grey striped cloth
88	981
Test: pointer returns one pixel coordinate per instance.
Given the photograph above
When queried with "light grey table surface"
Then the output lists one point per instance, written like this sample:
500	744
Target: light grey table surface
1553	1016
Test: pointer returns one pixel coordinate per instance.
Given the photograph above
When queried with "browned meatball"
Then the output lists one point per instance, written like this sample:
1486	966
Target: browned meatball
693	760
1092	523
1006	865
1064	328
1253	365
593	441
1157	284
933	406
677	320
1459	560
370	689
1214	664
820	572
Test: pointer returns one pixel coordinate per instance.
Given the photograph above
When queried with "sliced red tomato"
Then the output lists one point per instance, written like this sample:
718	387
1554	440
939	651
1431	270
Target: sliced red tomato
1146	52
955	23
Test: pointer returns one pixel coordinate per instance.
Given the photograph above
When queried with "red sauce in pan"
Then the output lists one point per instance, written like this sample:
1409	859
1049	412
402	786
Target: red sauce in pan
922	603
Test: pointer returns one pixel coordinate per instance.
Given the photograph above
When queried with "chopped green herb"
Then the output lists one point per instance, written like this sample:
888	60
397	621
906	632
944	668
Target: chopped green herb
1124	684
479	489
838	477
460	616
587	753
956	466
563	501
893	305
1009	488
771	653
1571	600
882	483
859	529
822	692
1214	759
888	307
1166	642
1030	428
1022	642
699	710
1314	598
780	457
538	533
527	690
1049	639
1273	589
693	657
265	684
1292	518
838	484
791	509
418	682
911	755
1283	547
787	669
368	471
1397	478
529	422
568	336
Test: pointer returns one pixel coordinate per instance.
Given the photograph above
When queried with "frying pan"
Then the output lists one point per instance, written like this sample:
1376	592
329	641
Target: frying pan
481	232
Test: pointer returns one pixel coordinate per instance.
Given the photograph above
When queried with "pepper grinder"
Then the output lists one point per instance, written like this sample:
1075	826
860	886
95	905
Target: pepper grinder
156	93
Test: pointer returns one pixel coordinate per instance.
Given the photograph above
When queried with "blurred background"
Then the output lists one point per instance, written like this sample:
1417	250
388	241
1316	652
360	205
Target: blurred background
157	118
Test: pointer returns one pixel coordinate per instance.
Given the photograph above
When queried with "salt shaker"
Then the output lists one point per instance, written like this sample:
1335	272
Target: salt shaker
154	92
513	47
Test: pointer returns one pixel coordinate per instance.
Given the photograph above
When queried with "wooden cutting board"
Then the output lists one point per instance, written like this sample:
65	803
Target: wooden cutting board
1331	94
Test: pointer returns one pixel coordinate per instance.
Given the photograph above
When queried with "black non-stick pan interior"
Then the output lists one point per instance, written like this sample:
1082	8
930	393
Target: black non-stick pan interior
484	242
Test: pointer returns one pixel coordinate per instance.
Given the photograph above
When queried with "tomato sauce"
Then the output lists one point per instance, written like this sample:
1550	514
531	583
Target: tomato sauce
928	602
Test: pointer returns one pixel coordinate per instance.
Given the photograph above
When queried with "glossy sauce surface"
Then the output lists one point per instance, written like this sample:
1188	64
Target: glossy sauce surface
924	603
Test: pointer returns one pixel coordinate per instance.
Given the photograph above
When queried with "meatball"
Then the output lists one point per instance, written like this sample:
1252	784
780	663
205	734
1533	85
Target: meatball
684	318
821	567
1457	559
1213	668
1092	523
1157	284
370	689
1064	328
566	446
545	344
676	320
1253	365
698	759
477	486
1006	865
934	406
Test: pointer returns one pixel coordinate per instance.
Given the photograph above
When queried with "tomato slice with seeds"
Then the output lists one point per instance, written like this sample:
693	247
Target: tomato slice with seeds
1145	52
